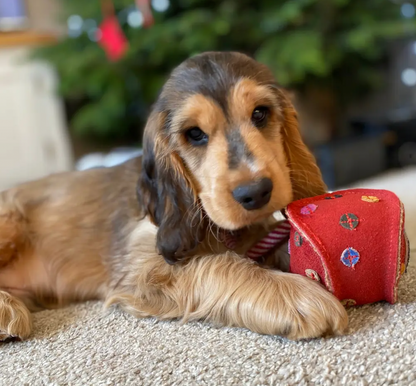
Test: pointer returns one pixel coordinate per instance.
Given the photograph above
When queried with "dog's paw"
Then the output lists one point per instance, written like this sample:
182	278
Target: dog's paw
4	338
309	310
15	319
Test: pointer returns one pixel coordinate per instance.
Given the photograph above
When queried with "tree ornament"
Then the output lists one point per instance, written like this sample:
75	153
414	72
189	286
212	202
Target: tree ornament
112	38
144	7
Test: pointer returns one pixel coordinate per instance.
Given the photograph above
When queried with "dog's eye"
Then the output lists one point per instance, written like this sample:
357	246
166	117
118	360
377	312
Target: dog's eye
259	116
196	136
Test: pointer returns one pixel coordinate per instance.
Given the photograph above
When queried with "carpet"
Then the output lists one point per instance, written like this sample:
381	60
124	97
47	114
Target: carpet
82	345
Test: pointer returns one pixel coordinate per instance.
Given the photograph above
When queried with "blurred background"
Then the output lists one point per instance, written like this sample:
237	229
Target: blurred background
78	77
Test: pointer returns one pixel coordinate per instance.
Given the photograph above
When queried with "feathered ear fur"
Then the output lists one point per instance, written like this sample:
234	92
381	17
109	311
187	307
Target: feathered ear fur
305	175
167	194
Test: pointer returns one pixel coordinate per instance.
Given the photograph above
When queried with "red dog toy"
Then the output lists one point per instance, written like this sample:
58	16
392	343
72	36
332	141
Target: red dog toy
352	241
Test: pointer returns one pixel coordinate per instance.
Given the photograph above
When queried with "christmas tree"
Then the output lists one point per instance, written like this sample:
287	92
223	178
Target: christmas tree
332	45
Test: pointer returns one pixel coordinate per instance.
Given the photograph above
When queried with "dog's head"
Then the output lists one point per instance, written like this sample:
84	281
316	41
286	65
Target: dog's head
222	143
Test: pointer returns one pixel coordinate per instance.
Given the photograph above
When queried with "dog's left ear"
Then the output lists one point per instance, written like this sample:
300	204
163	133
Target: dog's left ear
305	174
168	195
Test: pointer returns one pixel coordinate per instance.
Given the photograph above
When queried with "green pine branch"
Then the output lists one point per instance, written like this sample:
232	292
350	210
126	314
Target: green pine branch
302	41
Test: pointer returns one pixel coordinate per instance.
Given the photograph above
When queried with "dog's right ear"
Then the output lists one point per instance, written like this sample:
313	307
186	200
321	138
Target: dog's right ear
167	194
305	174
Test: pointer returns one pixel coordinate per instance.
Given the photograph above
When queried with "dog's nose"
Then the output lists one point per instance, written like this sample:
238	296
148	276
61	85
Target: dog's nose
254	195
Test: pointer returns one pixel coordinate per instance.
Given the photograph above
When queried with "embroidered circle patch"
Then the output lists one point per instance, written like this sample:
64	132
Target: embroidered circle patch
312	274
348	302
350	257
298	239
370	198
308	209
407	255
349	221
402	269
333	197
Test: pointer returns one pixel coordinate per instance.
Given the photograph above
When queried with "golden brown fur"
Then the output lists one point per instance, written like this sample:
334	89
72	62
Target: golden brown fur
109	233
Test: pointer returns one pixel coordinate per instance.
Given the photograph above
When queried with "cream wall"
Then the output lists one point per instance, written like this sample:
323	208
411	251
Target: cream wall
33	135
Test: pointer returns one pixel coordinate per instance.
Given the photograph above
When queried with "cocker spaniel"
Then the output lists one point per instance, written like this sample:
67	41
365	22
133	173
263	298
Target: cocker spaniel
221	154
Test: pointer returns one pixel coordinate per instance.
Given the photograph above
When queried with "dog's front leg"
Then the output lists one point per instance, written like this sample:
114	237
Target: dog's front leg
232	291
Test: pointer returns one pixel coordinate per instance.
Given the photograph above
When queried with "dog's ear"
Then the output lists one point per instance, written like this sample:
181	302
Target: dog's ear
306	177
167	193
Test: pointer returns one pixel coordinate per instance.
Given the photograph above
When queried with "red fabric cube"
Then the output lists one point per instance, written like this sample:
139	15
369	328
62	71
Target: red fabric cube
352	241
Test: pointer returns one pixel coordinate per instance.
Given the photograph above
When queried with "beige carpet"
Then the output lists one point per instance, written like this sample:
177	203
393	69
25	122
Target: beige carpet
80	345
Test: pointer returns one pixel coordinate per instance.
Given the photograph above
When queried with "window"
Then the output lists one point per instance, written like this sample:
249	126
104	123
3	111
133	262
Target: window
12	15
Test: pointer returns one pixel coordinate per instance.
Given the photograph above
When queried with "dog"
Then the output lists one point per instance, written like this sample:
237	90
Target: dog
222	154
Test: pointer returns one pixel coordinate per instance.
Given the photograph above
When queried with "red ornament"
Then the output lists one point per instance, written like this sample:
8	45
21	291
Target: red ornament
112	38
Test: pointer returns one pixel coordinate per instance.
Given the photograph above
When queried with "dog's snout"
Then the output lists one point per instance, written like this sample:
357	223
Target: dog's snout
254	195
